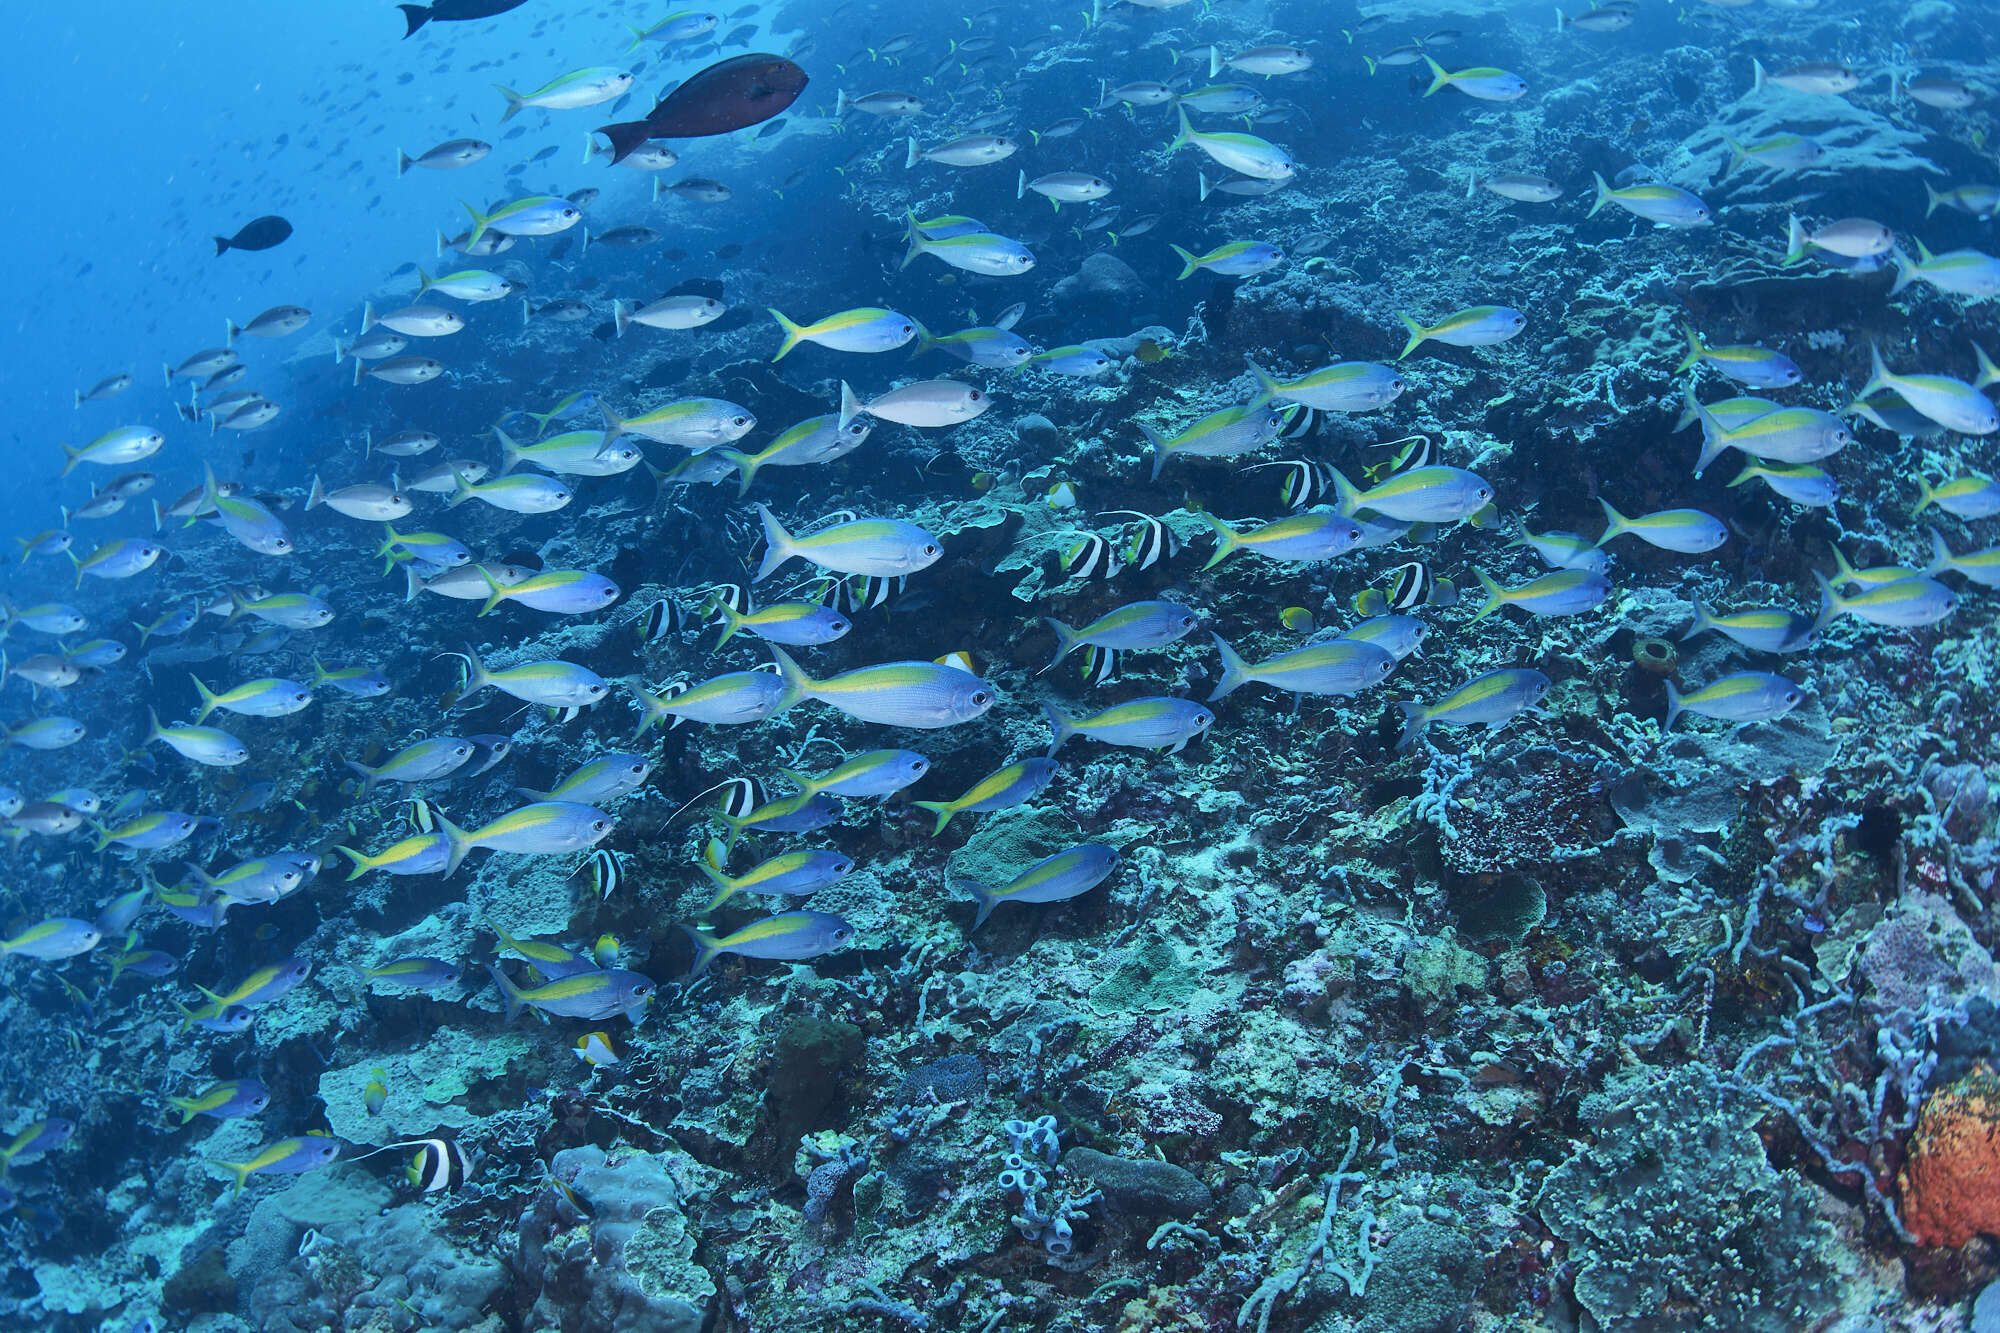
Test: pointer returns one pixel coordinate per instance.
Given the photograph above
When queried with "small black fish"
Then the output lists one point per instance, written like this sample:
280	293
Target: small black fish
771	127
560	248
544	154
605	871
1099	664
515	133
525	557
454	11
256	234
729	251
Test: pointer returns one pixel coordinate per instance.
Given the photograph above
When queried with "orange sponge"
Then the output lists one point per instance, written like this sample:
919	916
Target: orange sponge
1951	1180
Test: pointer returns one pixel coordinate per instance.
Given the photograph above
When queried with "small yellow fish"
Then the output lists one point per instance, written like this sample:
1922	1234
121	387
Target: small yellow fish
595	1049
1298	618
1151	352
376	1095
1062	495
961	660
982	482
605	952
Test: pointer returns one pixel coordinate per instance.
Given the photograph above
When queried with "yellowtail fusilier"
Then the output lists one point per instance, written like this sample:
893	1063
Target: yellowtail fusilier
1245	154
537	215
813	441
970	150
568	92
1801	483
1132	626
1660	204
424	761
516	492
1235	259
1491	701
1783	434
264	985
115	448
1952	403
1063	187
865	329
1483	82
789	936
735	698
1345	386
1850	238
1689	531
926	695
554	683
286	1157
565	592
603	779
432	548
1154	723
471	284
796	624
1563	550
877	774
124	558
669	312
204	745
266	879
1399	636
587	995
361	682
1758	367
49	733
50	939
1435	494
545	828
1300	538
789	874
1903	604
369	501
1982	567
1973	274
1016	784
1475	326
690	423
1769	629
1969	497
1336	666
1224	433
1068	874
234	1099
418	854
248	521
885	547
1565	592
925	404
1745	698
272	696
971	251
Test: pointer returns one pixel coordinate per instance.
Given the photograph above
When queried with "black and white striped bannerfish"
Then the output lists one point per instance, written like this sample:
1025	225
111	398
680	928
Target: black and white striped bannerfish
739	796
1089	557
1303	484
732	595
661	619
605	871
1409	586
1146	542
1099	664
440	1164
1303	423
857	592
1418	451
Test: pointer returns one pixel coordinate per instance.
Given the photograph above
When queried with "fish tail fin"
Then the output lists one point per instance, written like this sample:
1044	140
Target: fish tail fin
706	949
1697	349
510	994
808	787
458	844
514	102
1748	474
614	425
1438	76
316	496
1371	62
1189	263
1615	522
1878	372
944	810
910	160
1927	496
793	333
479	221
495	594
229	330
1415	718
221	244
1185	131
1941	556
1207	186
1267	388
207	699
1989	373
1674	709
1418	333
1235	671
1906	272
1931	200
1603	194
621	316
1795	240
1347	500
1756	77
510	451
1714	436
1738	155
1830	603
1162	451
1061	728
416	16
1226	540
732	621
981	894
1496	596
404	162
1066	642
798	685
914	239
1704	620
778	544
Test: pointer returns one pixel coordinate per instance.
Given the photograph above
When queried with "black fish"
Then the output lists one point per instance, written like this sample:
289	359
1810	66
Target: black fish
526	558
661	618
544	155
257	234
729	251
771	128
729	95
454	11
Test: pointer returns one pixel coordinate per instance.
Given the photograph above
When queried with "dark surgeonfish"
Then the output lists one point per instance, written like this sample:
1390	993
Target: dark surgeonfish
728	95
454	11
256	234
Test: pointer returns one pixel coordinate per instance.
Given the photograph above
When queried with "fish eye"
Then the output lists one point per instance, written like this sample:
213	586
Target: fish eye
741	421
981	697
931	548
600	824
